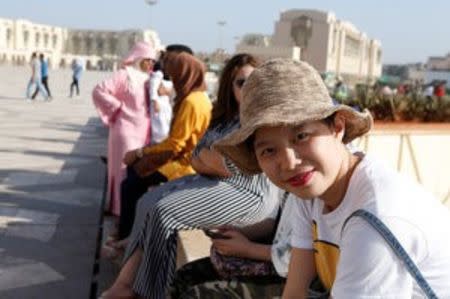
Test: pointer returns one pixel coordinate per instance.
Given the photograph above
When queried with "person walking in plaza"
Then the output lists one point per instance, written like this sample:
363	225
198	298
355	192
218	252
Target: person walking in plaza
365	230
77	69
122	104
217	195
44	77
35	79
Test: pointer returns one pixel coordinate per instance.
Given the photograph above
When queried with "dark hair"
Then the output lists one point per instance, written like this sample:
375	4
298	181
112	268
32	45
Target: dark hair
41	56
179	48
226	107
172	49
329	120
157	66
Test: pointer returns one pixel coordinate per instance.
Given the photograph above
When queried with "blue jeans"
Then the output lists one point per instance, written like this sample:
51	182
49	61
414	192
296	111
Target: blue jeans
39	86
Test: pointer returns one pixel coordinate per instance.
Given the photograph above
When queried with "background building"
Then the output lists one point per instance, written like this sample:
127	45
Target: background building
438	69
98	49
330	45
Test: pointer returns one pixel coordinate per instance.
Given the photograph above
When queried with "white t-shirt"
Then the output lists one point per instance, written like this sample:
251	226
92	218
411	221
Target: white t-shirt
160	121
36	66
429	91
356	261
281	246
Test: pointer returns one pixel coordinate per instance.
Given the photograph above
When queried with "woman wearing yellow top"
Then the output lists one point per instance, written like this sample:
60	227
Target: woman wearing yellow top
170	159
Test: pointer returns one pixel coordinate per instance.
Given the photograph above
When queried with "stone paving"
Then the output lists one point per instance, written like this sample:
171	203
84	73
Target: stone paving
51	190
51	187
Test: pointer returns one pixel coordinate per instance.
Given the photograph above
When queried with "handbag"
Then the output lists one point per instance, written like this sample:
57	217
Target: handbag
229	267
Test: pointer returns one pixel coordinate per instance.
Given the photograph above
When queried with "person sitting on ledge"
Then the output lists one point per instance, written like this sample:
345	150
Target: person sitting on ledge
218	195
362	228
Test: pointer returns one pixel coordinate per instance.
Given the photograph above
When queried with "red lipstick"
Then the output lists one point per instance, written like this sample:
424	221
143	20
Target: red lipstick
301	179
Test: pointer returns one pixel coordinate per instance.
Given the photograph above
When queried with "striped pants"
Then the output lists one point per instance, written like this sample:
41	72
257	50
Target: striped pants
185	204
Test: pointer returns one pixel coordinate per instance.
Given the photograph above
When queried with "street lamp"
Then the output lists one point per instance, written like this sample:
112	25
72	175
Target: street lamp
151	3
221	24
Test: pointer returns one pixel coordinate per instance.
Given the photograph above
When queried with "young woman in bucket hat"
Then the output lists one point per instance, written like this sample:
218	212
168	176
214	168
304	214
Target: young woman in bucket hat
365	230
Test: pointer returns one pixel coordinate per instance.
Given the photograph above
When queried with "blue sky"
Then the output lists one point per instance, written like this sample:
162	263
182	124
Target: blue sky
409	31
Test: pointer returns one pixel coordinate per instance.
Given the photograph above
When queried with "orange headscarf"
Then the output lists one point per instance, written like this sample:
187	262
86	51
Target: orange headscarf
187	74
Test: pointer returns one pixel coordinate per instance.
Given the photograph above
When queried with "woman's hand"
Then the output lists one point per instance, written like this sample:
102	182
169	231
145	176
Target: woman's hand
130	157
151	162
163	91
156	107
236	244
144	166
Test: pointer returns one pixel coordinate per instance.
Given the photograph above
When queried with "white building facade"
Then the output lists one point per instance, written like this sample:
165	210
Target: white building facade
317	37
98	49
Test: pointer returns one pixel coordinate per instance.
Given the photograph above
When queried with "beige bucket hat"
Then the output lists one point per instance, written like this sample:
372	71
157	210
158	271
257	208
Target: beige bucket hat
284	92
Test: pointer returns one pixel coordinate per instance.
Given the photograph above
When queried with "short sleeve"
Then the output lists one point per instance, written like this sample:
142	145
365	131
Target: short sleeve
281	246
302	229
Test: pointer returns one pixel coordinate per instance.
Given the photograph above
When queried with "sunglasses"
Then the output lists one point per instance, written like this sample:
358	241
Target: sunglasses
239	82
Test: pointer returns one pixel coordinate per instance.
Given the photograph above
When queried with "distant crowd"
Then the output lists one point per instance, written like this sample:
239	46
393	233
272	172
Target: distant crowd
39	79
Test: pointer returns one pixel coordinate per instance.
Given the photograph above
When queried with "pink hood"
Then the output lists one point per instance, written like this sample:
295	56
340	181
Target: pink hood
141	50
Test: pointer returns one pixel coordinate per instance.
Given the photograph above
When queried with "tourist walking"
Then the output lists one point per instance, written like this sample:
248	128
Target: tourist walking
44	77
77	69
123	106
35	79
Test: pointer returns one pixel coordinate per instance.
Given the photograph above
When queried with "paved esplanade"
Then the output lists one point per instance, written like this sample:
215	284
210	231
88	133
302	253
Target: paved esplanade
51	184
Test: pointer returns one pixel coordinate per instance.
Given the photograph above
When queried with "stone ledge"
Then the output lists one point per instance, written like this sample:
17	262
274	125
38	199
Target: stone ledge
192	245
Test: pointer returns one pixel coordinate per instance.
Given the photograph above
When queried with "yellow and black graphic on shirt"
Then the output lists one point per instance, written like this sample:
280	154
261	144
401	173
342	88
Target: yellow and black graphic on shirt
326	257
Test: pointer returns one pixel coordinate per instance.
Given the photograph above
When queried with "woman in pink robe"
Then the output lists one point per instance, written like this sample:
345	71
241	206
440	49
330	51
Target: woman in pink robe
122	104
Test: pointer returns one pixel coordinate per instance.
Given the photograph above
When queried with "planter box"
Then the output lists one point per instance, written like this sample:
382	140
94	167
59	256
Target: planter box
419	150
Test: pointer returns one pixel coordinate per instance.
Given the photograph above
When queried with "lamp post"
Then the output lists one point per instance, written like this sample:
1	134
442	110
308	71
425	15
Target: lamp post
221	24
151	3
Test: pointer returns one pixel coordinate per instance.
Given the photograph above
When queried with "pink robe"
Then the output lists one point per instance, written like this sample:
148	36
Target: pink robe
123	107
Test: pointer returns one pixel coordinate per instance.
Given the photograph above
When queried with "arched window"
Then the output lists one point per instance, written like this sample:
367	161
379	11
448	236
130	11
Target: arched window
76	43
113	45
301	31
100	46
37	39
89	44
26	38
46	40
54	40
8	36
